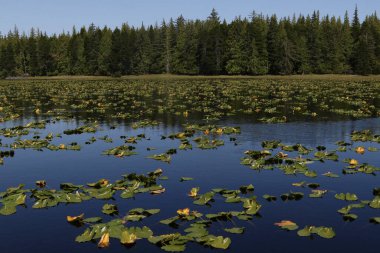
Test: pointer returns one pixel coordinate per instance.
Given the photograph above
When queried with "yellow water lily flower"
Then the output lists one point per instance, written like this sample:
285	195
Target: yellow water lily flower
104	240
183	212
354	162
193	192
360	150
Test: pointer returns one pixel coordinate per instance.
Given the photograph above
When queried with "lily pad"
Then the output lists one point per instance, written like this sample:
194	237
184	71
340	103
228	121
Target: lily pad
235	230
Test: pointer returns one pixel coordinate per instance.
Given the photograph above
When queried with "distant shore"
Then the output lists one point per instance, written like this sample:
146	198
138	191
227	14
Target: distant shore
168	76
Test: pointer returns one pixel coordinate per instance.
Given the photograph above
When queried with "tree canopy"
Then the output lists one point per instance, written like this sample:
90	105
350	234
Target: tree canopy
257	45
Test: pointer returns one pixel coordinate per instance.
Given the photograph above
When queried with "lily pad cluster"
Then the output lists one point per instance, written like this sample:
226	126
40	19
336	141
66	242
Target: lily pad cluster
129	186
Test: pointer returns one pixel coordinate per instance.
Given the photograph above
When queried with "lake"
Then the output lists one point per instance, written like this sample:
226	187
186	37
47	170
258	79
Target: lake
221	120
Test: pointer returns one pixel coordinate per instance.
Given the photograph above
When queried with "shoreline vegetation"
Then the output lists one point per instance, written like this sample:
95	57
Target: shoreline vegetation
175	77
256	45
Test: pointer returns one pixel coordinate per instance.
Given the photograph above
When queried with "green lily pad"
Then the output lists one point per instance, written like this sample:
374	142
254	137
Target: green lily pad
219	242
375	203
347	196
269	197
174	247
350	217
375	220
92	220
161	157
235	230
252	206
326	232
306	231
169	220
110	209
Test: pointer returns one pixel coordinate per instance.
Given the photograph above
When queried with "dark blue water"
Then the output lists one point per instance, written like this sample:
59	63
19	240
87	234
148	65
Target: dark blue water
46	230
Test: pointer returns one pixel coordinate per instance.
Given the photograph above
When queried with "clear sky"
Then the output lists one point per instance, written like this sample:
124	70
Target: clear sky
54	16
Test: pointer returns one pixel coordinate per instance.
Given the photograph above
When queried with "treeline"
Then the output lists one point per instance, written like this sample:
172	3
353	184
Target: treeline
257	45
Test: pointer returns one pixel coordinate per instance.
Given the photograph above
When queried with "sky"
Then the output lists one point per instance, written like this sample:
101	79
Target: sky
55	16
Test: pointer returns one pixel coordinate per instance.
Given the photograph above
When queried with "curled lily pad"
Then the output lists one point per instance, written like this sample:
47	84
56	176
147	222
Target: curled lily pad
75	219
287	225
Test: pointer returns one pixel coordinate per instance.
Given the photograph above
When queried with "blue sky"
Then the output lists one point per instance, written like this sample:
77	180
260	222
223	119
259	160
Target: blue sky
54	16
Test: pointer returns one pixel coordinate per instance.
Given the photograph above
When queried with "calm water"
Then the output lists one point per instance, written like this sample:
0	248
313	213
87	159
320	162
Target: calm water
46	230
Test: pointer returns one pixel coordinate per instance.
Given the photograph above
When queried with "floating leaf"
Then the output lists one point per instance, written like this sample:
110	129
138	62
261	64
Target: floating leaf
350	217
330	174
110	209
287	224
375	203
375	220
269	197
75	219
92	220
169	220
326	232
219	242
251	206
127	237
174	247
317	193
234	230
